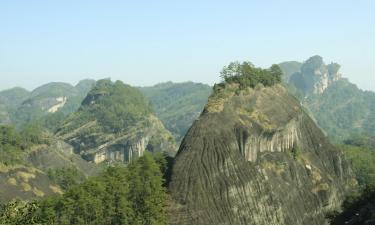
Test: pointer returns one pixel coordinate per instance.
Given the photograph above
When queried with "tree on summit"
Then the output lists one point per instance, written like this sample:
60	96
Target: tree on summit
247	75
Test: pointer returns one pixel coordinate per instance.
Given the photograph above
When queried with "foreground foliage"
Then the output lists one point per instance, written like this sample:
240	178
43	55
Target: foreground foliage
359	207
121	195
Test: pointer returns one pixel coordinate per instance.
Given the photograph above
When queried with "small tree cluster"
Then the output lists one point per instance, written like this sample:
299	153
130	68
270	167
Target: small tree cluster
247	75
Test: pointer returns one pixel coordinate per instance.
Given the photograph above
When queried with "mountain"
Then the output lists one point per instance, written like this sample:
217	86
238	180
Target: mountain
9	101
177	104
27	159
254	156
290	68
314	75
342	109
48	102
115	123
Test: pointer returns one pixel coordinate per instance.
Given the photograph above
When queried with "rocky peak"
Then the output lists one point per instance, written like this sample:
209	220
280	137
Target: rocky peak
115	123
315	76
255	157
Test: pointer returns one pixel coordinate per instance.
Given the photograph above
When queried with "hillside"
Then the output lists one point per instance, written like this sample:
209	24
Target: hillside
177	104
255	157
47	104
115	123
9	101
27	159
339	107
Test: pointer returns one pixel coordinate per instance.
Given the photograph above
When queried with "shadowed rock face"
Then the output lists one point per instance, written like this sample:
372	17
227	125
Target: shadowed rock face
255	157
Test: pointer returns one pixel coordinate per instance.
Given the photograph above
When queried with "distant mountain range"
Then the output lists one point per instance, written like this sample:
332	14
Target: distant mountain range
250	152
342	109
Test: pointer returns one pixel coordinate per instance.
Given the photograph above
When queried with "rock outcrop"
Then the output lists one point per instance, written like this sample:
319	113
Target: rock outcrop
115	124
255	157
45	100
315	76
147	135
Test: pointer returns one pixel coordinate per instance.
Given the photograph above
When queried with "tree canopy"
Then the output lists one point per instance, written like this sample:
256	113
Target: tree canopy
121	195
247	75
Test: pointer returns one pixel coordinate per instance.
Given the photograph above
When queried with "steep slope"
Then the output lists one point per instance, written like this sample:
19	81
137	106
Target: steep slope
27	156
343	110
115	123
314	75
177	104
255	157
49	99
339	107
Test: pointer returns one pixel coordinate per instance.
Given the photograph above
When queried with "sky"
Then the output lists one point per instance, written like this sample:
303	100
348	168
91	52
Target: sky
147	42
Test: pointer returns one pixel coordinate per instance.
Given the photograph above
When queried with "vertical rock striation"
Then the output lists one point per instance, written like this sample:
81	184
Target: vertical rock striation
255	157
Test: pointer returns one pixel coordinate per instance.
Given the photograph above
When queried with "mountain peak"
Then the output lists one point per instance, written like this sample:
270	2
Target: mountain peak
312	76
255	157
115	123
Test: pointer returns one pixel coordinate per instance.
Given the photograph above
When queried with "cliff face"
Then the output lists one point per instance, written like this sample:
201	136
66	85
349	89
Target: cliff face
315	76
255	157
115	123
96	145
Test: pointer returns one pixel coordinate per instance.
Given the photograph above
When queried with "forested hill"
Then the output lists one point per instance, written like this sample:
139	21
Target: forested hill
339	106
47	104
115	122
177	104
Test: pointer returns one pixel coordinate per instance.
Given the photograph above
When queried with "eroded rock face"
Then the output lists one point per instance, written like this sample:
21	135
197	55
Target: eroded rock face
99	146
315	76
255	157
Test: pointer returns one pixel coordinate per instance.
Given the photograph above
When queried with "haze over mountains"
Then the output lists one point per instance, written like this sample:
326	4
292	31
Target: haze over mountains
251	152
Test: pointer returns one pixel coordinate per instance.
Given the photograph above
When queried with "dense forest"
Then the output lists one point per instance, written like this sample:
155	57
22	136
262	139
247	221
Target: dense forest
15	142
133	194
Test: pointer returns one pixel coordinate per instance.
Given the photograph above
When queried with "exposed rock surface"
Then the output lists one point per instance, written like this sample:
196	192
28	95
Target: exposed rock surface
340	108
314	76
255	157
95	145
115	124
47	99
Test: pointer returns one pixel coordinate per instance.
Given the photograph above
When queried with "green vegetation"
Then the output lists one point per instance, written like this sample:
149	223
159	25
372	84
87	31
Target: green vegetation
358	209
20	107
363	162
246	75
66	178
132	195
344	111
115	106
359	206
14	143
178	104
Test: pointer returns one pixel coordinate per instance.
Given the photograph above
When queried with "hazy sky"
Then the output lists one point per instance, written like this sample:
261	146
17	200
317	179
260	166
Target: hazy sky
147	42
